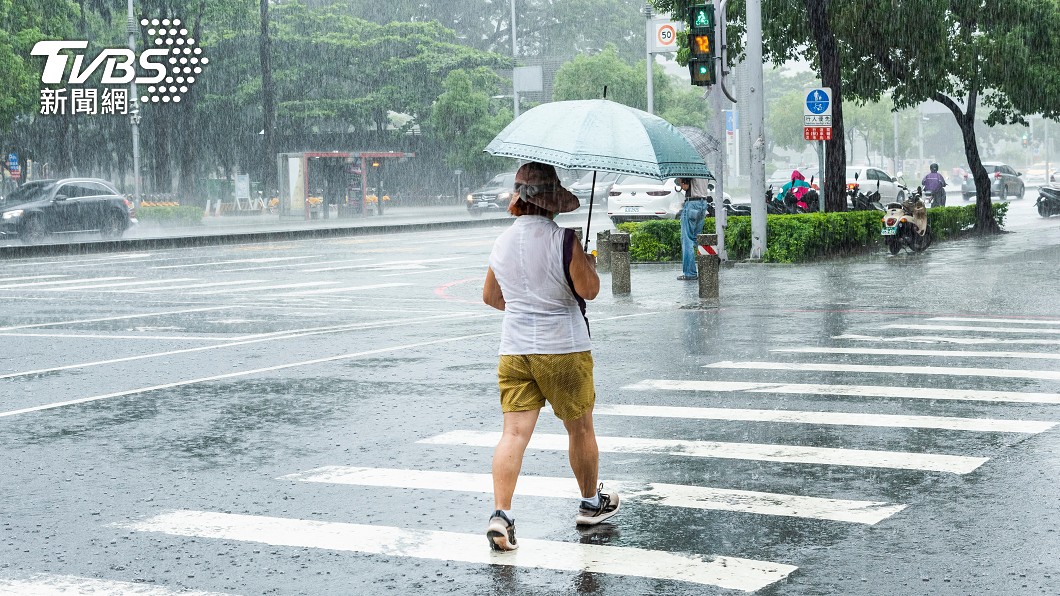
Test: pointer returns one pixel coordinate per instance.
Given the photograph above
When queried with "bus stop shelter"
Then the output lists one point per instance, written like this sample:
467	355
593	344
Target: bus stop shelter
311	181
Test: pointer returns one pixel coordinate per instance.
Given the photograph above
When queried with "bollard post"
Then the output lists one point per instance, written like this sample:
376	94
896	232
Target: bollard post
708	263
603	251
620	263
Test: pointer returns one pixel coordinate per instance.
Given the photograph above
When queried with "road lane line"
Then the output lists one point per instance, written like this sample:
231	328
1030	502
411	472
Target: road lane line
796	454
121	317
829	418
849	390
70	585
116	285
951	340
384	264
967	328
234	261
194	286
122	337
289	265
252	339
35	285
668	495
1005	321
342	289
726	572
233	375
1008	373
24	278
932	353
304	284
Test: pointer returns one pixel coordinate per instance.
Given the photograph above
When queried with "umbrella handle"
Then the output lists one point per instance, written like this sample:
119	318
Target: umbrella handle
592	193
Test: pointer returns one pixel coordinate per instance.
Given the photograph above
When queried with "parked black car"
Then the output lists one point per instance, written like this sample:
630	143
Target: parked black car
43	208
493	196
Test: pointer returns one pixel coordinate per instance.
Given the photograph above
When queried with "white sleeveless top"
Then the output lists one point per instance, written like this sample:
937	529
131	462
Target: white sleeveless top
541	312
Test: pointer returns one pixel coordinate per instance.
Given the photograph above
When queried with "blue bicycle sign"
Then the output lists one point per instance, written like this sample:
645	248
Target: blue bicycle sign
819	101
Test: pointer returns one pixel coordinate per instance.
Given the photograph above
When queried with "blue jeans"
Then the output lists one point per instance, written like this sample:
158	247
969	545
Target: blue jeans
691	225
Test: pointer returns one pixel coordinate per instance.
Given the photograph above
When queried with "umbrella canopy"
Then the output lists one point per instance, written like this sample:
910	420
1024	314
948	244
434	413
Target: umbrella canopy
705	144
598	134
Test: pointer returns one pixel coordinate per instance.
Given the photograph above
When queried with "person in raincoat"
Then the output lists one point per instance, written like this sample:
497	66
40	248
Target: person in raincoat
797	186
539	276
936	185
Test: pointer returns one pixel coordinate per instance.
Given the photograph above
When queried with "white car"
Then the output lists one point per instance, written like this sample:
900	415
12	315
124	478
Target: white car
639	198
868	176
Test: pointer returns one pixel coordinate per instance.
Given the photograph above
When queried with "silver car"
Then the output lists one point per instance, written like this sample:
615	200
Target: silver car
584	186
1005	182
638	198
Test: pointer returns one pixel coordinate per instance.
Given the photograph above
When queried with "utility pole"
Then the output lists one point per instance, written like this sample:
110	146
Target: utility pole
648	34
756	124
515	92
717	98
135	115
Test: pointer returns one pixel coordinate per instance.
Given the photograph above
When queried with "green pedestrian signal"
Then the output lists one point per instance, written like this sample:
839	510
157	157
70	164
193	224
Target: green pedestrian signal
701	44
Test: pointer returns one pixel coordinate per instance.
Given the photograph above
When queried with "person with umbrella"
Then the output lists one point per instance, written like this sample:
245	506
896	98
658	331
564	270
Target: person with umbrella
540	278
692	216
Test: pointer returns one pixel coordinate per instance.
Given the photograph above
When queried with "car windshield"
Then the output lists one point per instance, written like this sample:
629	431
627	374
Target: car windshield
601	177
29	192
644	180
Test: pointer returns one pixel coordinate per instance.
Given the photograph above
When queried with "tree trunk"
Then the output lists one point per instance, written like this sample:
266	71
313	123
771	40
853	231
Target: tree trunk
268	102
836	161
984	209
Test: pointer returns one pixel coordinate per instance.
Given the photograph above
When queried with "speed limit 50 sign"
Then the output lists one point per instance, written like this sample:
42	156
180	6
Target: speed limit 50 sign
664	38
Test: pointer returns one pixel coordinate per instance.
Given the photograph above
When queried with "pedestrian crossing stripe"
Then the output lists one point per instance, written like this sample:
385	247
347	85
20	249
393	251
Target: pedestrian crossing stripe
929	353
796	454
848	390
1008	321
733	573
967	328
69	585
657	494
830	418
950	340
1009	373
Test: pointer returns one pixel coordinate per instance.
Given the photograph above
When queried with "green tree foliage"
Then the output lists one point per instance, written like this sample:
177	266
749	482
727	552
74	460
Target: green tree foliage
23	24
462	117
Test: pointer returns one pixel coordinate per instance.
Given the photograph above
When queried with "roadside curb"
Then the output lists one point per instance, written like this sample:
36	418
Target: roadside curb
103	246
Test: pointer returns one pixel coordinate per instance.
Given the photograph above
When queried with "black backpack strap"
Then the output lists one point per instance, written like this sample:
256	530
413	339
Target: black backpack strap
569	242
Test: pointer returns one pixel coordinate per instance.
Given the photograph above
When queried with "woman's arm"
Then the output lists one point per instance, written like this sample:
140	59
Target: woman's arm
491	291
583	272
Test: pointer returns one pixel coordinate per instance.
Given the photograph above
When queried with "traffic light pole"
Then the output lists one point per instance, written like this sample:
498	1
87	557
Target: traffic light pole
650	59
756	111
716	98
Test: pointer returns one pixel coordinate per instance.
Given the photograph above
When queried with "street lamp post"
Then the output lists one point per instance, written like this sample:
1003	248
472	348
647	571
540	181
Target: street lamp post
134	113
515	92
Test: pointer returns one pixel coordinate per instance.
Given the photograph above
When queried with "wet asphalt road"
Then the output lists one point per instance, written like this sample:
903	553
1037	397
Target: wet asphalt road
249	419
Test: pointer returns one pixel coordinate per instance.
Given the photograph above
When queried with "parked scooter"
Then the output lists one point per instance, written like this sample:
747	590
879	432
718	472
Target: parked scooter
1048	200
860	201
906	224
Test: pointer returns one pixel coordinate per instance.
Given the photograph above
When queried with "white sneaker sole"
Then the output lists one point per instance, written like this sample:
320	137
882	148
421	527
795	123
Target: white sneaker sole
497	534
586	520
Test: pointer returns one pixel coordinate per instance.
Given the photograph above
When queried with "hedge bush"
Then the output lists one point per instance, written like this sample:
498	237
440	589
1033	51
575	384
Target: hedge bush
795	238
174	216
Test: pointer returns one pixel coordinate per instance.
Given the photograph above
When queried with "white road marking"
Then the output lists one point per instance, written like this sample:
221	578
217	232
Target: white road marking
204	285
830	418
479	267
668	495
250	339
35	285
1003	321
348	356
69	585
263	288
383	264
115	285
289	265
967	328
119	318
938	353
233	261
8	279
726	572
122	337
799	454
950	340
342	289
849	390
1045	375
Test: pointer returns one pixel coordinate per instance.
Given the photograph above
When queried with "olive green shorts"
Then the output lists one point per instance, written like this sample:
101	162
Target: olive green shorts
563	380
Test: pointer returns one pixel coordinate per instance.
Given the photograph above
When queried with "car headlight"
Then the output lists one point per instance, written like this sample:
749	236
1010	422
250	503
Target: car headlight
12	214
504	196
470	199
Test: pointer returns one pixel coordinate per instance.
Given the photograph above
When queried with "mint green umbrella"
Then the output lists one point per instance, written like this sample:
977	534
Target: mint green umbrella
599	134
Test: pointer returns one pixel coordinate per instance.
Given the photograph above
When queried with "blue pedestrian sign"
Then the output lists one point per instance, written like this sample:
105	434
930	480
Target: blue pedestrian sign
12	161
732	120
819	102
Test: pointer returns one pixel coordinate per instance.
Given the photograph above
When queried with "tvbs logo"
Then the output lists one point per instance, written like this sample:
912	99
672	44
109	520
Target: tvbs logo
167	68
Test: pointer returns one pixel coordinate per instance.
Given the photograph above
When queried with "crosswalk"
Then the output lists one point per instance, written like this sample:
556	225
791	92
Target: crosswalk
653	399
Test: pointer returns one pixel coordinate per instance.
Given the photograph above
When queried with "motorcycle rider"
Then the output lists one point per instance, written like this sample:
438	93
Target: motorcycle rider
936	185
798	187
